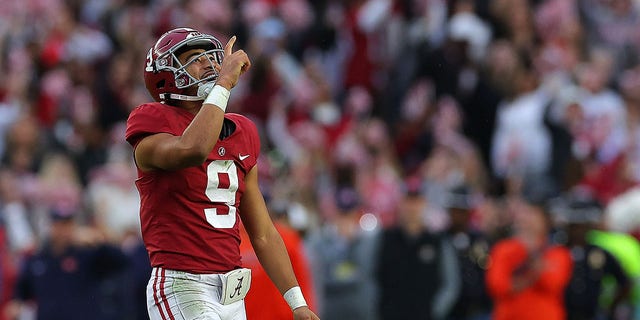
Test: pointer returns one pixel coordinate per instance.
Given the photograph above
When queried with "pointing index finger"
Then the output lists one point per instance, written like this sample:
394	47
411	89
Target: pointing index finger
229	46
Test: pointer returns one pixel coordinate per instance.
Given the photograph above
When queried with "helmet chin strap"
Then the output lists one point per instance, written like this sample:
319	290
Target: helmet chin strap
203	91
182	97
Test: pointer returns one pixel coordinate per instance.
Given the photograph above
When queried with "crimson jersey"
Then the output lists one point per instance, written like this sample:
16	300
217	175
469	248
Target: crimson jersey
189	217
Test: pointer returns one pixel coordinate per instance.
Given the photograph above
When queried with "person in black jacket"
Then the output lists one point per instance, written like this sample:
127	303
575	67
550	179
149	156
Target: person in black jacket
472	250
592	264
417	270
67	278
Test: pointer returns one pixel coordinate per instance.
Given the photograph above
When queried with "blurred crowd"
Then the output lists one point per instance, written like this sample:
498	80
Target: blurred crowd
379	119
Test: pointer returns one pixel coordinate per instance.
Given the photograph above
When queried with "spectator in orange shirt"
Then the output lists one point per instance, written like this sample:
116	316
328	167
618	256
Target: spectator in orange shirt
264	301
527	275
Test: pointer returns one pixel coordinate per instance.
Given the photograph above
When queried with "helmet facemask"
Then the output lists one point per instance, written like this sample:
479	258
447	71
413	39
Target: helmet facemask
169	61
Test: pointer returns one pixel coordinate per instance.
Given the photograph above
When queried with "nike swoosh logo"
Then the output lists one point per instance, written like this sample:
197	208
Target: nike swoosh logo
242	157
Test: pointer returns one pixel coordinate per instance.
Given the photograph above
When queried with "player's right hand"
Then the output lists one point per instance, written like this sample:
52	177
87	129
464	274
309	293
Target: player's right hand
234	64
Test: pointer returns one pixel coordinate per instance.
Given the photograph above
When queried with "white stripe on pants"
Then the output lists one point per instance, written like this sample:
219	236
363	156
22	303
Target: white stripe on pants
178	295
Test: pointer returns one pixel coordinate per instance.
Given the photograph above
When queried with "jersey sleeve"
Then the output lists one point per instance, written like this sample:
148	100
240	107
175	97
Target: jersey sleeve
145	120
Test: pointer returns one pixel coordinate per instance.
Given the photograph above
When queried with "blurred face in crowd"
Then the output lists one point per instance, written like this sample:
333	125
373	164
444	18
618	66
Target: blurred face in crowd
459	217
62	233
531	225
577	233
412	209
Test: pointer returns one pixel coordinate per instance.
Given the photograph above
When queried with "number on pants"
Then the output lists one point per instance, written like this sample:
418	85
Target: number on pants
222	186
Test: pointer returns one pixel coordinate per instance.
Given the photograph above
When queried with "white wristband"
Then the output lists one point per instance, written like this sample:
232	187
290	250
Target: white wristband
219	96
294	298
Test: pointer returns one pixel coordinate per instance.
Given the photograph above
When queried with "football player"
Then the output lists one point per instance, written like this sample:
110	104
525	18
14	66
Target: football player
197	178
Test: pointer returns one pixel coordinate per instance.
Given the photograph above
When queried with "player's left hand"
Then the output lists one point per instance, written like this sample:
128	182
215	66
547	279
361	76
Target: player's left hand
304	313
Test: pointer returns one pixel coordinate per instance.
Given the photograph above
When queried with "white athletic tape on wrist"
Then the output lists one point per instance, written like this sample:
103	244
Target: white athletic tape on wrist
294	298
218	96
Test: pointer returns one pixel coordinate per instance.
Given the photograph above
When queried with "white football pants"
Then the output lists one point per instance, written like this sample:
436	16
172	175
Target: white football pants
178	295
